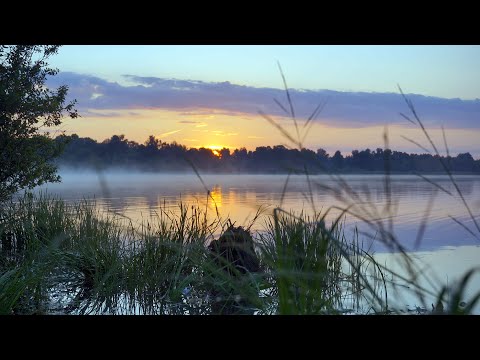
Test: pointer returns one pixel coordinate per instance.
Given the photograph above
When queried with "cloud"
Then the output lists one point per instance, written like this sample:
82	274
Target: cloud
189	122
222	133
169	133
108	114
343	109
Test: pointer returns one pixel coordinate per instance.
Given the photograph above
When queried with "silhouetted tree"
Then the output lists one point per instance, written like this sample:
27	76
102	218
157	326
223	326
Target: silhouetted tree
337	160
463	162
225	154
323	157
153	143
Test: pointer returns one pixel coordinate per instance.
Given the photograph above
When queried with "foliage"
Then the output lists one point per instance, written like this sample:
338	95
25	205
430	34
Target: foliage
27	108
155	155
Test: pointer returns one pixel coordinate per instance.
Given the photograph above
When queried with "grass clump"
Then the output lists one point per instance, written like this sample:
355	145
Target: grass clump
72	258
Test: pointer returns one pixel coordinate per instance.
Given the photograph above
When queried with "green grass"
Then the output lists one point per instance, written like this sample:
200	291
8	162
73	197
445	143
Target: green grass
72	258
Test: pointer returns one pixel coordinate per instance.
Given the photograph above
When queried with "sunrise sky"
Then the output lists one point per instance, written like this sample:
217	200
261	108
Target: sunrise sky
210	95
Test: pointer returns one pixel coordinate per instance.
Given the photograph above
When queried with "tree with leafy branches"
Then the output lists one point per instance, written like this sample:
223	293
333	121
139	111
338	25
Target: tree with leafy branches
28	108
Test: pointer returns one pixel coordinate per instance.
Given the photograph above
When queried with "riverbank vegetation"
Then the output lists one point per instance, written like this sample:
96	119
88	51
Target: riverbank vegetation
59	257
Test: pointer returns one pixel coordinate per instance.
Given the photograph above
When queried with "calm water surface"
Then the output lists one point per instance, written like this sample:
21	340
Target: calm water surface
446	248
240	196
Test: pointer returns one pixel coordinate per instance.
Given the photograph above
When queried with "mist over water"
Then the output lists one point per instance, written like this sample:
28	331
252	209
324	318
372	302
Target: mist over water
238	197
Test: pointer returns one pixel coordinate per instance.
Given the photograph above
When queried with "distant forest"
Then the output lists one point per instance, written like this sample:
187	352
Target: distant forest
157	156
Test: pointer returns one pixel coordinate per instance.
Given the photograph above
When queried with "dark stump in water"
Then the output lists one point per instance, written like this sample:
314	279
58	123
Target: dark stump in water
235	247
234	253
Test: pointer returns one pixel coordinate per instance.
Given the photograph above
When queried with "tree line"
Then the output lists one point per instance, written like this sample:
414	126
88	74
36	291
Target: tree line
157	156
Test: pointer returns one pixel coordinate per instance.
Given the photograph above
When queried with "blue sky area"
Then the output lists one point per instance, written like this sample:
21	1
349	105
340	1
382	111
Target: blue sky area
443	71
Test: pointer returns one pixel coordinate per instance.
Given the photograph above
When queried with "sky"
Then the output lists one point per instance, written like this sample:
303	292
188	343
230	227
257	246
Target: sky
211	95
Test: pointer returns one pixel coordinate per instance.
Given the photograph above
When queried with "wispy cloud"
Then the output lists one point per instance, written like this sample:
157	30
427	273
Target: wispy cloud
169	133
255	137
344	109
188	122
222	133
101	113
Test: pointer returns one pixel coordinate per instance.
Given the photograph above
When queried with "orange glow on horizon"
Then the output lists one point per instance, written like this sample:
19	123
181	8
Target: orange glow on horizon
195	129
215	149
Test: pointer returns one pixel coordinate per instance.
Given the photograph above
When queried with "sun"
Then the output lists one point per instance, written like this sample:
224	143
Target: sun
215	149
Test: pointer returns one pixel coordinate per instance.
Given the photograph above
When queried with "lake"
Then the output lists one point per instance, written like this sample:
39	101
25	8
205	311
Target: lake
445	248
